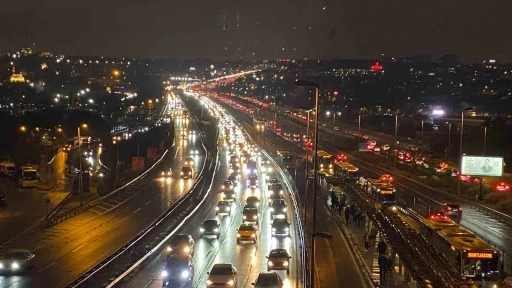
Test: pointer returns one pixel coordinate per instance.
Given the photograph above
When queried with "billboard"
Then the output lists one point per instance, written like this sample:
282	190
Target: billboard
481	166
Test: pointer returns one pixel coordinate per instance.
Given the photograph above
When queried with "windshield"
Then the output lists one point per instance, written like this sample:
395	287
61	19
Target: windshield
221	271
210	223
247	228
29	175
179	241
279	254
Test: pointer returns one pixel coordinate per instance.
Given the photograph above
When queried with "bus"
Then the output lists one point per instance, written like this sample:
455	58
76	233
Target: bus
383	193
27	177
347	170
471	256
325	160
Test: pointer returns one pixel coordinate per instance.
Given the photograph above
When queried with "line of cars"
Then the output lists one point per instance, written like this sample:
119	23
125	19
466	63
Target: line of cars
247	171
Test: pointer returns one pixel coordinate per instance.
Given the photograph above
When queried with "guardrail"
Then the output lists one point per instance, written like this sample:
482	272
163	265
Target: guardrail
53	219
148	233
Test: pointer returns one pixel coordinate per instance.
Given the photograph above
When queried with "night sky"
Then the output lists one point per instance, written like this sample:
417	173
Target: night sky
473	29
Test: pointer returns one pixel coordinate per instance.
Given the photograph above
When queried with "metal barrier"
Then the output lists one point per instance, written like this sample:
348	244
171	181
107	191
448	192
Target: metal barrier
83	280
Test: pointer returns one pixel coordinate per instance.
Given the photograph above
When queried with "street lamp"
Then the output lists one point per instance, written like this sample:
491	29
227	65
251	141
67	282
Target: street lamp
396	135
315	147
460	147
485	140
359	123
422	122
80	188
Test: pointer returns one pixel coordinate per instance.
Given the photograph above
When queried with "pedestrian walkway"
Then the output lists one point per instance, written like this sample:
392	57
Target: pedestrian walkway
370	256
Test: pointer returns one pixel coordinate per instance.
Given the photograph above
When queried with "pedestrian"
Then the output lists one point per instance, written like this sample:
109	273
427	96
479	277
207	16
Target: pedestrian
347	214
382	247
366	242
340	209
362	219
383	267
359	217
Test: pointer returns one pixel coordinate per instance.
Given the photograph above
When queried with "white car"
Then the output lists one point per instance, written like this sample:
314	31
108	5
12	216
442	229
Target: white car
385	147
336	128
222	275
15	261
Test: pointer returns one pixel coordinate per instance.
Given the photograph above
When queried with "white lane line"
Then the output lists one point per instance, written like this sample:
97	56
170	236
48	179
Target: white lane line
148	202
137	210
78	248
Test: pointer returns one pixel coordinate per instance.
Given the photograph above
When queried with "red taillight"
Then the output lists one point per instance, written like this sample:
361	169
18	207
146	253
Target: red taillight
449	208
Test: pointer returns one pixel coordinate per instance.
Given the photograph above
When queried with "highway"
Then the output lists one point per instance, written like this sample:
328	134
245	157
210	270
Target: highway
337	250
67	250
249	259
493	231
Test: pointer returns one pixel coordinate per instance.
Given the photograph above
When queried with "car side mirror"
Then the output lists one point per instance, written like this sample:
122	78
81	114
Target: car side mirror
208	273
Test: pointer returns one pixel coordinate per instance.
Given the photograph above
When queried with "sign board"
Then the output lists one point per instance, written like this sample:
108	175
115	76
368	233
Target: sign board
137	163
481	166
152	152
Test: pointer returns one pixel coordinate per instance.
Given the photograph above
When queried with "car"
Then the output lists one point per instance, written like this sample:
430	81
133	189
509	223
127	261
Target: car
278	259
271	181
385	147
228	195
222	275
178	270
276	189
166	175
181	244
250	215
235	169
186	172
183	134
268	280
280	227
210	227
336	128
194	152
233	178
453	211
247	233
16	261
252	201
189	161
227	185
278	208
223	208
252	183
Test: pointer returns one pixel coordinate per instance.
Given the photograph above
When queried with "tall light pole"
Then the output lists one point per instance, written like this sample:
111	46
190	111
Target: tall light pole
460	146
396	137
449	138
485	140
422	122
315	147
307	126
80	183
359	123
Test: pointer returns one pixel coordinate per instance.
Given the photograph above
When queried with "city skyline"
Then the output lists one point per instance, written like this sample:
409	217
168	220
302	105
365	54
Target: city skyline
223	30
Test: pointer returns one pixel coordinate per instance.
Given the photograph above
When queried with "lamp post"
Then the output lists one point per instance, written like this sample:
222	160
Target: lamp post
80	183
485	140
460	146
315	147
422	122
359	124
396	137
449	138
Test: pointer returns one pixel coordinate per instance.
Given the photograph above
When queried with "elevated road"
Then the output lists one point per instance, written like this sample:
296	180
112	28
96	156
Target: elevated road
65	251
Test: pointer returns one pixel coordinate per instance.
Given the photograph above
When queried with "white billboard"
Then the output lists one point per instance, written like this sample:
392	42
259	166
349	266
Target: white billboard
481	166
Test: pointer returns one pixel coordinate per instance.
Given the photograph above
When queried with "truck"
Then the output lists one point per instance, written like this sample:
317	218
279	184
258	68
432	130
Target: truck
324	160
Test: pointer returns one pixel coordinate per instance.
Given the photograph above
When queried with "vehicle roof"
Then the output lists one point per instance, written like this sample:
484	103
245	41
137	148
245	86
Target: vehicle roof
247	227
462	239
210	221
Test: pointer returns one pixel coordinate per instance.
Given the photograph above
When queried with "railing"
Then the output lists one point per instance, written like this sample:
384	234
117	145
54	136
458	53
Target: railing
53	219
148	233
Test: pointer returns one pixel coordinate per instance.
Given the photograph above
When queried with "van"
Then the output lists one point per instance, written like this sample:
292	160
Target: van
186	172
8	169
